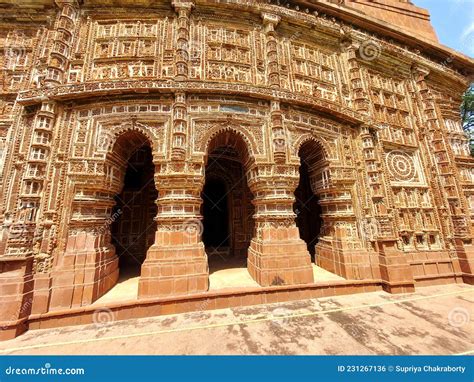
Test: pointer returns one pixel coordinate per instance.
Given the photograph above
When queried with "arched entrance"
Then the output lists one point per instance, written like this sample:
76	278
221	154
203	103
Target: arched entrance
133	227
307	203
216	230
227	203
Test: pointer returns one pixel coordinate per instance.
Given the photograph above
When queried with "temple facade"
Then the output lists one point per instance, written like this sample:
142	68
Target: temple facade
150	137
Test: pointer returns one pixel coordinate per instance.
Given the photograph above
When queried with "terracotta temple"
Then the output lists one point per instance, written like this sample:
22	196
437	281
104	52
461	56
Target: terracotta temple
148	137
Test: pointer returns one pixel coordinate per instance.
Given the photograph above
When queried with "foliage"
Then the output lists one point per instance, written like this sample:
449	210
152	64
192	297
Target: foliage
467	115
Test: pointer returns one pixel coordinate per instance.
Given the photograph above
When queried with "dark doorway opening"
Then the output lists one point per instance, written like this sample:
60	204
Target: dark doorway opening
227	208
133	227
216	214
308	211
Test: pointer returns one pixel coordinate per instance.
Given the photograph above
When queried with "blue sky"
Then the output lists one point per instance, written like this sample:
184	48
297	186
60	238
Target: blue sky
453	21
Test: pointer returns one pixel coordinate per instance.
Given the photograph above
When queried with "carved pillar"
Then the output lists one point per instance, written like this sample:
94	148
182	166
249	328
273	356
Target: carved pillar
65	25
279	137
179	138
176	264
445	176
277	255
23	239
340	249
279	140
395	270
89	266
270	22
359	93
183	8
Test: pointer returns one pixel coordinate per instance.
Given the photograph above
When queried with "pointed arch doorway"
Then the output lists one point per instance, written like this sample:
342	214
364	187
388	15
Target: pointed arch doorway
227	209
133	227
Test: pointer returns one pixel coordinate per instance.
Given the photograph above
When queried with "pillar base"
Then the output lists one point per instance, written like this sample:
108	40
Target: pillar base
395	271
174	270
280	261
352	264
10	330
394	288
16	293
465	253
86	272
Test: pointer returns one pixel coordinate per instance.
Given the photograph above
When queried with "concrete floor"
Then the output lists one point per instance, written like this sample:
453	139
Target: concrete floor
223	274
433	320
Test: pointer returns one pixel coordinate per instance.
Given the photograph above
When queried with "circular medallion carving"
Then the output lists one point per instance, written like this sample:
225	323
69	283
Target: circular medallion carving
401	166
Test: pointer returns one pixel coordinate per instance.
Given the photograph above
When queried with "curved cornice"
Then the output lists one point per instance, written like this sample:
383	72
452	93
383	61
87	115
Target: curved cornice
95	89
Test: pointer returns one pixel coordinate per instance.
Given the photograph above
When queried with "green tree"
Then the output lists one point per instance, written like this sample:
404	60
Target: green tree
467	115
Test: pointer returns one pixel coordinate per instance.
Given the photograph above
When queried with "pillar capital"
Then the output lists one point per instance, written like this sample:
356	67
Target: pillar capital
62	3
419	72
183	5
270	21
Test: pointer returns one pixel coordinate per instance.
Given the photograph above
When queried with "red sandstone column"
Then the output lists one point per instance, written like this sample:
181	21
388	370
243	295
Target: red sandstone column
176	264
277	255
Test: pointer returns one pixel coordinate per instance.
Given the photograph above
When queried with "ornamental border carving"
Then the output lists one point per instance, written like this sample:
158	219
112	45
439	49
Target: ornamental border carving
99	89
243	127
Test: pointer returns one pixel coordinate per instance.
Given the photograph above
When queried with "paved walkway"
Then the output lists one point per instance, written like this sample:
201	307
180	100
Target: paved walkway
434	320
234	276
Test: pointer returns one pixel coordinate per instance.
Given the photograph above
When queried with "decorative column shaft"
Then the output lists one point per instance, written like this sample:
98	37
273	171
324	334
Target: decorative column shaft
176	264
270	22
277	255
23	240
183	8
359	93
279	140
180	123
58	60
